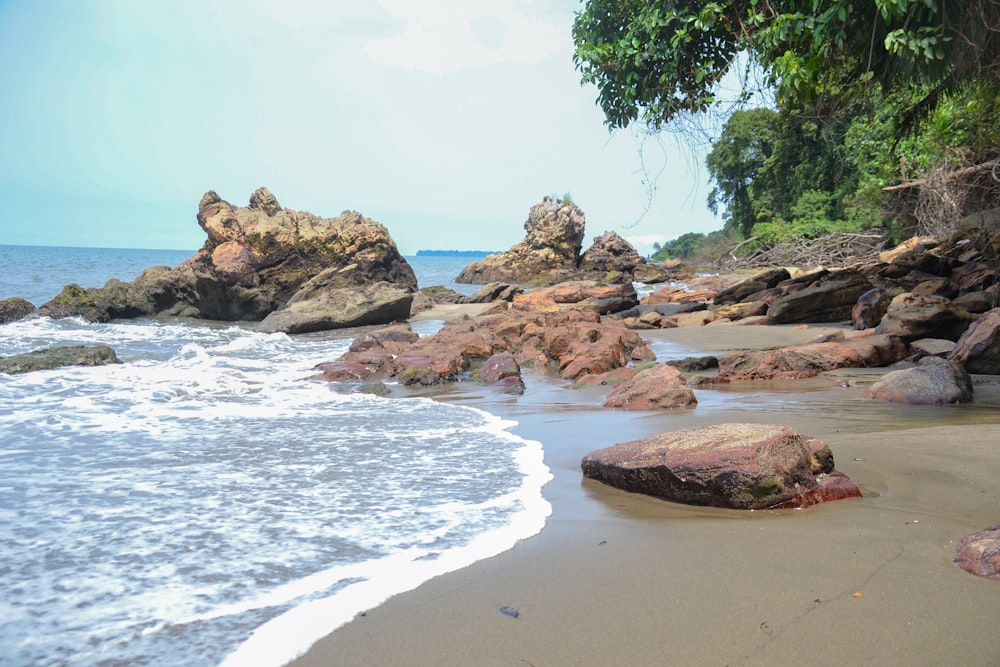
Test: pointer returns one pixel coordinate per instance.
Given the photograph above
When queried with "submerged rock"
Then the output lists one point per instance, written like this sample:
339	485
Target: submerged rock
738	466
56	357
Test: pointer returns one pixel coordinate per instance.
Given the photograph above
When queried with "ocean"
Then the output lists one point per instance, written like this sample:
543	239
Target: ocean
205	502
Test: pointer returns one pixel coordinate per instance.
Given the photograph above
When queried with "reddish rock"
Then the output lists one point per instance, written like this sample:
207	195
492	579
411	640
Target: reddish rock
667	295
579	294
502	371
802	361
934	382
610	378
661	386
739	466
979	553
979	347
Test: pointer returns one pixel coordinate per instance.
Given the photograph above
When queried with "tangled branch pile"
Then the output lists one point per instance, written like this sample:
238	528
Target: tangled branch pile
838	249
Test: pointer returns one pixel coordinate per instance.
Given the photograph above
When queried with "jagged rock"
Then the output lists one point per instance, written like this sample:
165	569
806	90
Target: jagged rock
14	309
550	251
758	282
978	349
911	316
934	382
738	466
611	259
661	386
822	297
579	295
55	357
802	361
253	263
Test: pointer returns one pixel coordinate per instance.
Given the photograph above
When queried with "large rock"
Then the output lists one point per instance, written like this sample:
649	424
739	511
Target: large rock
979	347
55	357
739	466
911	316
824	297
934	382
870	308
610	258
758	282
550	251
254	262
803	361
979	553
14	309
660	386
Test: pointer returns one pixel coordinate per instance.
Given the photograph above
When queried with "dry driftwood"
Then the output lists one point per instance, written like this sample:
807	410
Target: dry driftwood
840	249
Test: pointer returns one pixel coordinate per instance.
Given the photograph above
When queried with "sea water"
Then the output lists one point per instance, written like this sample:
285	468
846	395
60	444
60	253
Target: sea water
207	502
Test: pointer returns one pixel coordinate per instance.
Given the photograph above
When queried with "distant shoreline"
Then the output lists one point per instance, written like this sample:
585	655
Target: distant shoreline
455	253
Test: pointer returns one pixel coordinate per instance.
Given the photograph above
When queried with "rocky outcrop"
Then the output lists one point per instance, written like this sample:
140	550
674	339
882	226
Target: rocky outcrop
934	382
818	297
318	308
551	252
760	281
55	357
911	316
258	260
14	309
979	347
738	466
660	386
979	553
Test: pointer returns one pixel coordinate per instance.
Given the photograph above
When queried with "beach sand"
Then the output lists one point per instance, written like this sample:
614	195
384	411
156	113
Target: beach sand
623	579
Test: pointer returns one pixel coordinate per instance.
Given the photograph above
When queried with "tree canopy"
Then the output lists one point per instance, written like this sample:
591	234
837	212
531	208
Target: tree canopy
653	60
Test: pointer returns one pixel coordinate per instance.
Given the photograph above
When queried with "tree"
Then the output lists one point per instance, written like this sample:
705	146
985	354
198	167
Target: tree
653	60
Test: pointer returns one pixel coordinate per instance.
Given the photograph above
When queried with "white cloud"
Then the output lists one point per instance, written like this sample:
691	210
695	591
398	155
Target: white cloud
448	36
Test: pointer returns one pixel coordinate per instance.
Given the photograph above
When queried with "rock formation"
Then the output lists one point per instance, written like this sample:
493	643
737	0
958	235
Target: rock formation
738	466
934	382
56	357
258	261
551	252
14	309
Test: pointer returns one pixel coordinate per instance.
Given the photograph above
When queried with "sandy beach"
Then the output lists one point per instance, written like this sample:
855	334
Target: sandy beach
623	579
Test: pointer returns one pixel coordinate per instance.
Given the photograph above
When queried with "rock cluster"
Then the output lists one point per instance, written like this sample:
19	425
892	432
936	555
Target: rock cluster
294	270
737	466
551	252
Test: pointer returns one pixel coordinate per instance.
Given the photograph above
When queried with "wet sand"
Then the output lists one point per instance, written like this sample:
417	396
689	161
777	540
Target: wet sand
623	579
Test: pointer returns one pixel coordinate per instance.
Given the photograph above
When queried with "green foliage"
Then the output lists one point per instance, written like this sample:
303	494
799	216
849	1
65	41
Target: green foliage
652	61
683	247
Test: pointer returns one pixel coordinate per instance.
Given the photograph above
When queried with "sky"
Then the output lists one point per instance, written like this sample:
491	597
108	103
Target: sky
445	120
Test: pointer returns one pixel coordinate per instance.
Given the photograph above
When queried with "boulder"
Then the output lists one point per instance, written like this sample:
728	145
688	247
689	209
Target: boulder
979	553
502	372
493	292
55	357
803	361
678	295
822	297
661	386
580	294
911	316
14	309
549	253
978	349
934	382
738	466
254	262
870	308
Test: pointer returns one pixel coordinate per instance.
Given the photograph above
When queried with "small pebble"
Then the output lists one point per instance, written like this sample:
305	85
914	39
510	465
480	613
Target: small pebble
510	611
